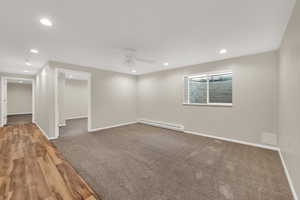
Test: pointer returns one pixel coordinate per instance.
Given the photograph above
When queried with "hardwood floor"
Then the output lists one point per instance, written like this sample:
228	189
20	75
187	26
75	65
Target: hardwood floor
31	168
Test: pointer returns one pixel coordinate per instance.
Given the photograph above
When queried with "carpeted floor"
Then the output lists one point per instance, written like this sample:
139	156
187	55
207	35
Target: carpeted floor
74	127
19	119
140	162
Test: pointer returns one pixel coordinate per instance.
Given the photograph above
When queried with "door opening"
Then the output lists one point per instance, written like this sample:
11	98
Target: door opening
72	102
17	101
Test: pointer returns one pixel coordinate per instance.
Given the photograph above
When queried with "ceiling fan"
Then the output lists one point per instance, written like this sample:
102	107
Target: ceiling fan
130	58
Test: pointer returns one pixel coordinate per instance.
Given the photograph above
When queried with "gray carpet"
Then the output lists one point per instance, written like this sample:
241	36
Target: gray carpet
140	162
74	127
19	119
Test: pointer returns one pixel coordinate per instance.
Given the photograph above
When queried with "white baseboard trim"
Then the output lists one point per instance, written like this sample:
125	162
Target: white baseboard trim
77	117
26	113
52	138
113	126
42	130
181	128
176	127
260	146
288	176
234	140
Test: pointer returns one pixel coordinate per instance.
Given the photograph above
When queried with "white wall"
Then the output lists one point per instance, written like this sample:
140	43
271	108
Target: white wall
61	97
117	97
113	98
289	98
113	95
72	98
254	111
3	74
19	98
44	112
75	98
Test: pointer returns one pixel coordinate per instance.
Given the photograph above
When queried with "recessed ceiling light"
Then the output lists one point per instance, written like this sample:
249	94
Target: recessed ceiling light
46	22
223	51
28	63
133	71
34	51
166	64
26	71
20	81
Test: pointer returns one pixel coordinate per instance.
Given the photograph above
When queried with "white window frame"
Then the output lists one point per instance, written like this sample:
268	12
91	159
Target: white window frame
207	75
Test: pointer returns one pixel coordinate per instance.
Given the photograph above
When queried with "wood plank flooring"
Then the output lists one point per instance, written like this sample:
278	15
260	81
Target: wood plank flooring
31	168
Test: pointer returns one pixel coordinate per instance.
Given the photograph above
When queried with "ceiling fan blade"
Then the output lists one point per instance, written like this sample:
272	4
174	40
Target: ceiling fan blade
149	61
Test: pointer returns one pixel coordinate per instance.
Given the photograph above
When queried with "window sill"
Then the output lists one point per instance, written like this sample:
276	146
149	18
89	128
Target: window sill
211	104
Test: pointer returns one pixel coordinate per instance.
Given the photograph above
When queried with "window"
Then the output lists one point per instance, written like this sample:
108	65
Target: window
209	89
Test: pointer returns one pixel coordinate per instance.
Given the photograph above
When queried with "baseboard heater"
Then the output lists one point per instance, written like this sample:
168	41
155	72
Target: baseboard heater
176	127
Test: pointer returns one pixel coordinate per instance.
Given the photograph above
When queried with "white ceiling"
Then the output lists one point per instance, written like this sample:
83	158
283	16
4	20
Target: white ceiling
94	32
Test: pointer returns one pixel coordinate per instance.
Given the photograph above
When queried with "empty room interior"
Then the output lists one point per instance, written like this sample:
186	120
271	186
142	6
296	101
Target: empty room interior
150	100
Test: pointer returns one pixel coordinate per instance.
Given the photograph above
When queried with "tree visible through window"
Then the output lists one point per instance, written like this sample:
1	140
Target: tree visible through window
209	89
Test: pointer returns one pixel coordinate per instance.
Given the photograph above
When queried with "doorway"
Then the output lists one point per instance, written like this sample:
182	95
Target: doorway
17	101
72	102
